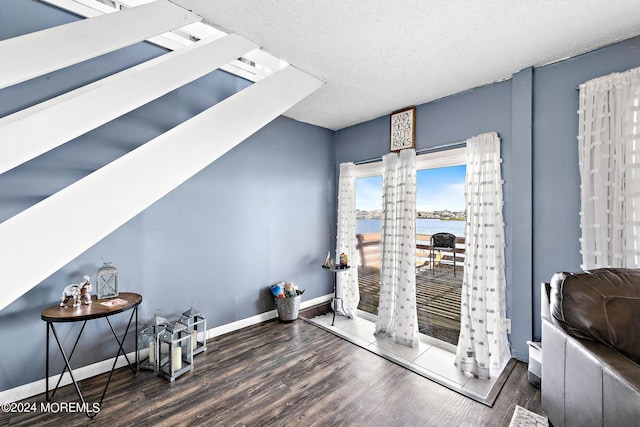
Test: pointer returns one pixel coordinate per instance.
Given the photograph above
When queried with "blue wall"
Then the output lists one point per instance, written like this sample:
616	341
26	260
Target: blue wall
535	115
265	211
262	213
556	192
445	121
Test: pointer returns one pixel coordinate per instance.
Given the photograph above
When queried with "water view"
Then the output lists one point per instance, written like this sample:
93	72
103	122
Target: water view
423	226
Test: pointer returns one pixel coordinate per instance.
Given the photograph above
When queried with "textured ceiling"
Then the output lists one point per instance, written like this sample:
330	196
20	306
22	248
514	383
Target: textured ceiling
377	56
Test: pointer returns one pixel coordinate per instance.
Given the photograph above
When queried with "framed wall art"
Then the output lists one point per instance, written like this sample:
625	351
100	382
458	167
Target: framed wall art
403	129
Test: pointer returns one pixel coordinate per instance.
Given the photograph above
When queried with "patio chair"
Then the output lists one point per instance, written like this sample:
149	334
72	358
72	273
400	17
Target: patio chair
440	242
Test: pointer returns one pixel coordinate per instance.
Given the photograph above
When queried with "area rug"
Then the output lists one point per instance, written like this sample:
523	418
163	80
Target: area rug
524	418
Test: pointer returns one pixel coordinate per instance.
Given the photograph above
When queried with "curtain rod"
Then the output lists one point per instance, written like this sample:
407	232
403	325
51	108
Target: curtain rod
422	151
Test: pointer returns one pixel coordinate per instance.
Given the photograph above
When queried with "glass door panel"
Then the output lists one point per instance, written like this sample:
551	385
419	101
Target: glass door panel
368	229
440	208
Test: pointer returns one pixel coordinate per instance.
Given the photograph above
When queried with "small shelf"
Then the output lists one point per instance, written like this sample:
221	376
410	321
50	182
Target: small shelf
336	269
335	289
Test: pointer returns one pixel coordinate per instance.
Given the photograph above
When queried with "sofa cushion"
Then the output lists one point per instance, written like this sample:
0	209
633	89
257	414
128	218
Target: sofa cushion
602	305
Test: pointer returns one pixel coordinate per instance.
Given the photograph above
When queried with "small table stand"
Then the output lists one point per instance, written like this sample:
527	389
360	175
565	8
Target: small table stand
335	298
83	313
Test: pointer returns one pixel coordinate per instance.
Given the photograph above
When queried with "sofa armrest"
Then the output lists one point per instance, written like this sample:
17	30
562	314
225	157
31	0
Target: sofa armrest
586	380
545	301
621	390
554	342
586	383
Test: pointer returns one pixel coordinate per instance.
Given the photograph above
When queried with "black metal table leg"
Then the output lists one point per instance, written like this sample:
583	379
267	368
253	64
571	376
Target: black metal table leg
120	350
334	300
60	314
46	374
136	339
68	366
335	303
75	344
67	360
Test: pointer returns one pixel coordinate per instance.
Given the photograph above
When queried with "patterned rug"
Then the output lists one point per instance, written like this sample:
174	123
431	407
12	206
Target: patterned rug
524	418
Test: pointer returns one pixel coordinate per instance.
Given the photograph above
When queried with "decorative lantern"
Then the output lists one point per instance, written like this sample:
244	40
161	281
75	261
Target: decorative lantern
176	354
196	323
148	338
107	281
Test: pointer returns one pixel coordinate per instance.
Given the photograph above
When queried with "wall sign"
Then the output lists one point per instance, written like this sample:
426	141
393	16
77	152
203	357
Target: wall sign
403	129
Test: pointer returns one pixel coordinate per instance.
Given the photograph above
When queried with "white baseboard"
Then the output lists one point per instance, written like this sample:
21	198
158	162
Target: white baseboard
239	324
28	390
37	387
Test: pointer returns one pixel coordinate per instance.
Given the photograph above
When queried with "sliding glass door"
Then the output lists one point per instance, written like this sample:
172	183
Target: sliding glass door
368	233
440	209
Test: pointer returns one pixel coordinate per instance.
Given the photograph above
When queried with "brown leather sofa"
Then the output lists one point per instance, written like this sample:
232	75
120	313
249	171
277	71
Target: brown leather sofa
591	348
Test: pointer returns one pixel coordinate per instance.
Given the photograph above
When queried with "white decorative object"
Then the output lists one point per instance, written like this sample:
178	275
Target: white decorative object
148	337
523	417
107	281
176	360
397	315
196	324
609	153
176	354
194	340
327	259
347	289
403	129
80	294
483	343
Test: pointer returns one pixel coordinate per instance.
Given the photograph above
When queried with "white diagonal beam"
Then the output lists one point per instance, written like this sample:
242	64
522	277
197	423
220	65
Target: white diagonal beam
38	53
42	239
36	130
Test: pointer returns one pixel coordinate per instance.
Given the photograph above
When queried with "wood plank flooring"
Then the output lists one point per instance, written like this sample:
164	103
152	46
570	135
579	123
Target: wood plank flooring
277	374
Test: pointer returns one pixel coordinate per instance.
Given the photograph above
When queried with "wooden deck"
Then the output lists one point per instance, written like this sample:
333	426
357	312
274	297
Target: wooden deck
437	298
437	295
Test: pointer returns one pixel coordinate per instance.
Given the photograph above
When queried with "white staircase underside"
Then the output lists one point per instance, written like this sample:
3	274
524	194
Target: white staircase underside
64	45
36	130
40	240
254	65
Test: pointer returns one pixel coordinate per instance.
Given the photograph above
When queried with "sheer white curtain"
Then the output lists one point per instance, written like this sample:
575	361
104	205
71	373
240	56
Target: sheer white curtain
397	315
483	343
609	156
347	281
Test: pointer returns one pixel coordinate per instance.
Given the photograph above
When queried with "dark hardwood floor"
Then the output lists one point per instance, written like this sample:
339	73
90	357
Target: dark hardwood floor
277	374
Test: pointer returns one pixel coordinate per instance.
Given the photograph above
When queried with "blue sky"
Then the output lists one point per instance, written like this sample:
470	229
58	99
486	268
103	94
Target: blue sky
438	189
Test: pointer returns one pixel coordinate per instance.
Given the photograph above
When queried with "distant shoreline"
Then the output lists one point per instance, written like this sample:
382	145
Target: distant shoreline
424	225
440	219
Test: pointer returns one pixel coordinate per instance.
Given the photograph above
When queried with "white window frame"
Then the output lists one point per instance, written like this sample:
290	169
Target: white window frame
438	159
